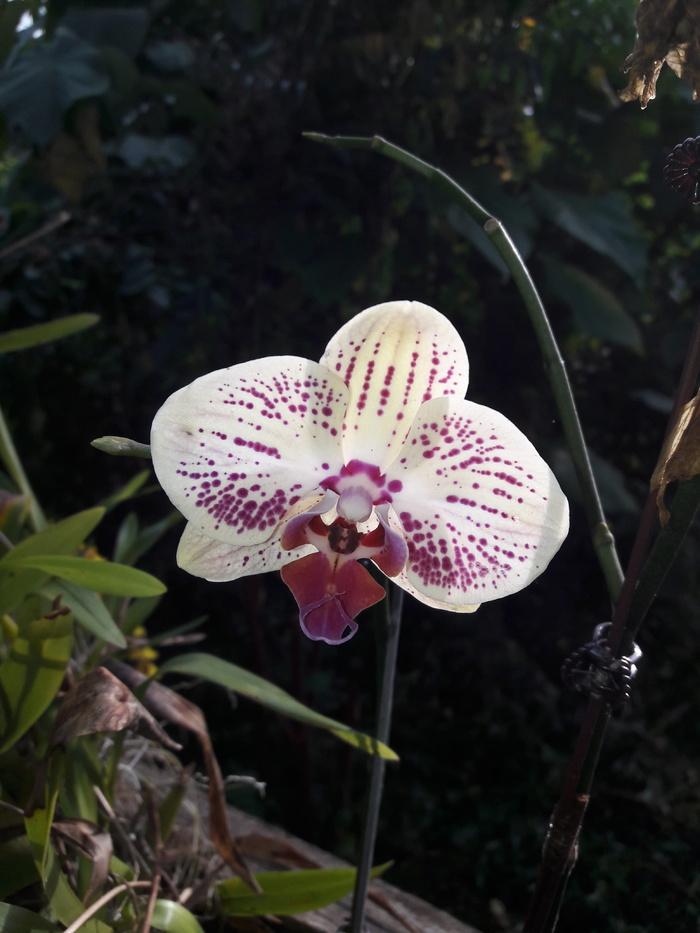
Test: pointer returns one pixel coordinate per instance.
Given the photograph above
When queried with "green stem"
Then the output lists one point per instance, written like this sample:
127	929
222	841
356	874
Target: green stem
10	457
376	786
603	542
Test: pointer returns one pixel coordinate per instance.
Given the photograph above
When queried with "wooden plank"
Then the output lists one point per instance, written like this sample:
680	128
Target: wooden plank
390	910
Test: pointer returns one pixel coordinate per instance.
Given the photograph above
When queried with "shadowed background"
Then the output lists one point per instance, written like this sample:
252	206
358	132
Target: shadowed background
205	230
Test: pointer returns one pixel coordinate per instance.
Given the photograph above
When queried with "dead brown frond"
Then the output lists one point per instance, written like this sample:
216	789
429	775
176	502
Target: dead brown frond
668	31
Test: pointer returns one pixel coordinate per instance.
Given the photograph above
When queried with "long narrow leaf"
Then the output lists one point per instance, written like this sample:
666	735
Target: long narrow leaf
88	610
290	892
37	334
262	691
21	920
31	674
102	576
60	538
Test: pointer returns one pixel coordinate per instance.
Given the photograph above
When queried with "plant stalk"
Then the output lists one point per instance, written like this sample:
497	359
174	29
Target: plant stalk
641	583
376	786
10	457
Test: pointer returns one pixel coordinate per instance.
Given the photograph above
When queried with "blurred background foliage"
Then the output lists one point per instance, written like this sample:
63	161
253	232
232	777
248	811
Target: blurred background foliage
152	170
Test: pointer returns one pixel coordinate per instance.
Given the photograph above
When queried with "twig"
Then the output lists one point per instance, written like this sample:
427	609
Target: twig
101	901
58	221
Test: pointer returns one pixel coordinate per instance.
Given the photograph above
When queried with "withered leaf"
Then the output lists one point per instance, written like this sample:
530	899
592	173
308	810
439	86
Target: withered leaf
680	454
100	702
92	842
668	31
279	851
166	704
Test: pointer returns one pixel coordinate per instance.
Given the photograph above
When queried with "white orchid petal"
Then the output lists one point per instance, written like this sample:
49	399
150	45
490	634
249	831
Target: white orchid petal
218	562
238	448
403	581
481	511
393	357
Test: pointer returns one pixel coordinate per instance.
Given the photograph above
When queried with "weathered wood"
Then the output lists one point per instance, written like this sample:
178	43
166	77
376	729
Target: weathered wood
191	853
390	910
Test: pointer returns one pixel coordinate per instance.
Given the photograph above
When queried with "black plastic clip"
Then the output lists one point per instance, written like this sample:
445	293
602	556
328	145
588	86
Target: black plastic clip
593	669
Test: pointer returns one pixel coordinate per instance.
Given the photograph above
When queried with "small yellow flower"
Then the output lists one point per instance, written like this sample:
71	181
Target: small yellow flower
141	653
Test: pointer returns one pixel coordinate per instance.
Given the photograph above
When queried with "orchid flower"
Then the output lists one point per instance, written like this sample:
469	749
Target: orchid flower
286	464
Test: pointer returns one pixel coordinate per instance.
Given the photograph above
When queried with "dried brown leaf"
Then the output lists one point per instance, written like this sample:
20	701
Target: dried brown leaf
668	31
166	704
92	842
100	702
680	455
279	851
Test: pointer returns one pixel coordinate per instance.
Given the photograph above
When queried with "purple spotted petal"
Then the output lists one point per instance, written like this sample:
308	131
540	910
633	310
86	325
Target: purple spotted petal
482	512
219	562
393	357
238	448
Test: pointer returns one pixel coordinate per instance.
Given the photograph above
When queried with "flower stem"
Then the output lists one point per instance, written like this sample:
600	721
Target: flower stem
603	542
10	457
386	698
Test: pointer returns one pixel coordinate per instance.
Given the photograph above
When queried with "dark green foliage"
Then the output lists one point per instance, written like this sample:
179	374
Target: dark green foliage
205	230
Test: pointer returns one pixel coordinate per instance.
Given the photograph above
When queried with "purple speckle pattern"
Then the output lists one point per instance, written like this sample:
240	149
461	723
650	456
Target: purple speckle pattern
252	453
480	510
217	561
393	357
238	448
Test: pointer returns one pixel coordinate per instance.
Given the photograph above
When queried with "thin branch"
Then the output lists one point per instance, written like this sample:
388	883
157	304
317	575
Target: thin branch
101	901
58	221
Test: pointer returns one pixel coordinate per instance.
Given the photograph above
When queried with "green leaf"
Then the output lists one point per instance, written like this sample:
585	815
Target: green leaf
88	610
98	575
31	674
17	869
262	691
133	541
42	81
45	333
597	312
20	920
289	892
174	918
128	491
604	223
61	538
